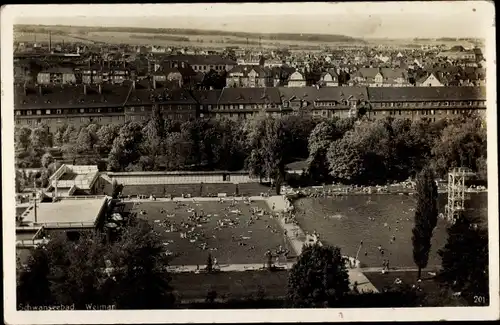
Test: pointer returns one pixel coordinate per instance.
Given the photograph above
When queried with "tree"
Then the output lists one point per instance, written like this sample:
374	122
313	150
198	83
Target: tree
69	134
465	260
269	142
462	142
115	189
361	156
47	159
142	281
127	147
59	135
40	138
210	265
76	270
320	139
33	286
319	278
22	137
155	133
426	213
106	135
129	273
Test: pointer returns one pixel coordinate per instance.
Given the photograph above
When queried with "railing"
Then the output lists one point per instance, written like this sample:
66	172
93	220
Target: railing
58	173
72	190
68	225
85	197
30	242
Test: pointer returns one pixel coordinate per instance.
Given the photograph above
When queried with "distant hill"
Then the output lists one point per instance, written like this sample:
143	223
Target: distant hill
322	38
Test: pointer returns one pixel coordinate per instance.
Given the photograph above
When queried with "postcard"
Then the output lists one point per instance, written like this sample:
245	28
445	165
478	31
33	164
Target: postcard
249	162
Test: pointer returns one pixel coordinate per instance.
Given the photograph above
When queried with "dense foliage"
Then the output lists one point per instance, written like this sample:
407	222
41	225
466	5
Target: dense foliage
426	214
319	278
128	273
465	260
350	151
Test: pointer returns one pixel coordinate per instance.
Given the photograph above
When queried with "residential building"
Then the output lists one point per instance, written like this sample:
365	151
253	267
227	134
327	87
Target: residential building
204	63
380	77
330	78
168	74
56	76
79	105
248	76
429	80
297	79
241	103
425	102
326	102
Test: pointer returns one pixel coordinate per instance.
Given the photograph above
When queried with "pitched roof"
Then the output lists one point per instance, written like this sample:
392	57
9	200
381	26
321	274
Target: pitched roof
246	69
323	94
425	77
332	72
282	72
207	97
69	96
393	73
160	95
58	70
250	96
425	93
366	72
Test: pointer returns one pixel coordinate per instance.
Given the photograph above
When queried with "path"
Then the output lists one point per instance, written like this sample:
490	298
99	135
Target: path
364	285
228	267
195	199
399	269
297	238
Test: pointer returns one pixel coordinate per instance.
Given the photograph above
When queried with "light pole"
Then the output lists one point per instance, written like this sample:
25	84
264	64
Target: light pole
357	253
34	200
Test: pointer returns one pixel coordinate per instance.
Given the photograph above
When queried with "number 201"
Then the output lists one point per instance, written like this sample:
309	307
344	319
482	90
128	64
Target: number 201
479	299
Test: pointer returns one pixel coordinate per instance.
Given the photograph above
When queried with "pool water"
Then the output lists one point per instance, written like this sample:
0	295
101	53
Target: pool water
345	221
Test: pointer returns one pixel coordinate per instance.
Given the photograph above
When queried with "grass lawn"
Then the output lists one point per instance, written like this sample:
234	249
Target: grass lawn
381	281
230	285
236	242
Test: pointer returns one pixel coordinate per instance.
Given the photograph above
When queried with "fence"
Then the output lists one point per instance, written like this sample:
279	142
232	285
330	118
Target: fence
156	178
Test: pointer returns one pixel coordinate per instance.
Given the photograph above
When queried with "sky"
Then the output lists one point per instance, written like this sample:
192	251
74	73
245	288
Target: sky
367	20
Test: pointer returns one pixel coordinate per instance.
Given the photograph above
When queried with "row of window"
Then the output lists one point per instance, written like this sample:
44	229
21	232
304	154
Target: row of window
422	112
119	118
243	106
68	111
208	67
433	103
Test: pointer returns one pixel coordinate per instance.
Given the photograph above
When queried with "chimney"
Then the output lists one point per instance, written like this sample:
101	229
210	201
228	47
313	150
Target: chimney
85	89
40	90
50	42
100	89
154	83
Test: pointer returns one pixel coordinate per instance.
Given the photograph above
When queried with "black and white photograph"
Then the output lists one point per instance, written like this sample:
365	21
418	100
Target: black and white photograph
249	162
